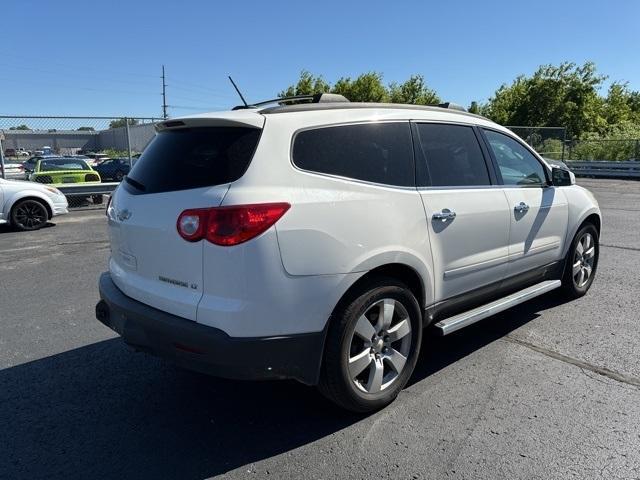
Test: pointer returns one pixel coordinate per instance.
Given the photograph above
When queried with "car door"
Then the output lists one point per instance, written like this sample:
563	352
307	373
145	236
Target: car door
467	213
538	210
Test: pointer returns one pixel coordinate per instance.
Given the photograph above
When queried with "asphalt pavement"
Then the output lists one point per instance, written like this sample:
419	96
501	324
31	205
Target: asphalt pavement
549	389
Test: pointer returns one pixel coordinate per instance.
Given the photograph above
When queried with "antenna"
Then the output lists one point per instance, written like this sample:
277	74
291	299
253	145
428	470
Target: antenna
238	90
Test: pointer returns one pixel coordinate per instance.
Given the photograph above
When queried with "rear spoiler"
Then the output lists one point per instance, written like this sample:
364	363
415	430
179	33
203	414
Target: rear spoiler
241	118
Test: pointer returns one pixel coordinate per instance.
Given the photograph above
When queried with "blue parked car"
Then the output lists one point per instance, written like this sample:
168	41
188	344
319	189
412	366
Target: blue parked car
113	169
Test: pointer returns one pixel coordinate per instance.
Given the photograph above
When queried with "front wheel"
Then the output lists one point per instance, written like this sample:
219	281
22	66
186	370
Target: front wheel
372	346
581	262
29	215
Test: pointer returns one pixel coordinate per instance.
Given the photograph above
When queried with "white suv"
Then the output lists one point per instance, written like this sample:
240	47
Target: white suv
315	241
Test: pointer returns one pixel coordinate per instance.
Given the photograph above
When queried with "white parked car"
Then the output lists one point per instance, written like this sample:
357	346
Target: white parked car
315	241
28	205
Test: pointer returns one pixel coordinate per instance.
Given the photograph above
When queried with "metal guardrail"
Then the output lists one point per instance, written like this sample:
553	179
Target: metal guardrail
87	189
626	169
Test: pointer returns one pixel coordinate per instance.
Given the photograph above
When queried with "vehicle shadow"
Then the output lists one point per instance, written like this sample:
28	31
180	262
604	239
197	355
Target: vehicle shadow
102	411
5	228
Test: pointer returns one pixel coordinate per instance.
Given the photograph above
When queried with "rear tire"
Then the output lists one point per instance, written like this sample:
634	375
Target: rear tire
372	346
28	215
581	262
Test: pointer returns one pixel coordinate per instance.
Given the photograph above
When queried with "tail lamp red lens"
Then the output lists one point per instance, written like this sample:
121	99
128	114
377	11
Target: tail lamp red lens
228	226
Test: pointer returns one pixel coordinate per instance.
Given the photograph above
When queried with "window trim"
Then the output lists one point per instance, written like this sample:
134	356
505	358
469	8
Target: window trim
423	179
496	166
411	187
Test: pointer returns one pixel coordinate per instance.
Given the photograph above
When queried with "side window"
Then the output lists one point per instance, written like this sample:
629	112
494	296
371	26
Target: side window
453	155
374	152
517	165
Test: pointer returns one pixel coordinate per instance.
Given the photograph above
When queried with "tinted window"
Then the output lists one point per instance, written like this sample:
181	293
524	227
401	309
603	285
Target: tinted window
192	158
374	152
517	165
452	154
51	165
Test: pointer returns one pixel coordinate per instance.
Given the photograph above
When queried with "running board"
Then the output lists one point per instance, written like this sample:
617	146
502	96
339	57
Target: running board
461	320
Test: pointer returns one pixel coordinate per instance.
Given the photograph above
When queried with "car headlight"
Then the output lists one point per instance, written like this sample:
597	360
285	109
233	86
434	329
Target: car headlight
53	190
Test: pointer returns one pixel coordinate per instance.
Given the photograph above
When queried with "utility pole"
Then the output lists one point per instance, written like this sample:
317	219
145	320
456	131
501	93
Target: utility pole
164	96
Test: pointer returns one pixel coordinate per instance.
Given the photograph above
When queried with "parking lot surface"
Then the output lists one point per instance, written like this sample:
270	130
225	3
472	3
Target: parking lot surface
548	389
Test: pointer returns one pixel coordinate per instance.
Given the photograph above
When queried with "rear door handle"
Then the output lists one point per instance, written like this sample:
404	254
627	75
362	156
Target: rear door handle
521	207
444	215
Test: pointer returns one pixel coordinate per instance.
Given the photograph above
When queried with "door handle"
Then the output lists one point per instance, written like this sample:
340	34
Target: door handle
521	207
444	215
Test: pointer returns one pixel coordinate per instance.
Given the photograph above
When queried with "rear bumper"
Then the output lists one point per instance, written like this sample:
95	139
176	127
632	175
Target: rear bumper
207	349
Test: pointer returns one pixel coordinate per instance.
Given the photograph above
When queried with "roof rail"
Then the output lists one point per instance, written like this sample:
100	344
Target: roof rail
317	98
451	106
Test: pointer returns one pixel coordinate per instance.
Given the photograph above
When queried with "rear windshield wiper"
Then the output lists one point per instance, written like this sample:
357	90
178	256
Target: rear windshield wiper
135	184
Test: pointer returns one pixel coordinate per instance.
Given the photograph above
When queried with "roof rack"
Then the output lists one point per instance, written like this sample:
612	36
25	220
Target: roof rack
317	98
451	106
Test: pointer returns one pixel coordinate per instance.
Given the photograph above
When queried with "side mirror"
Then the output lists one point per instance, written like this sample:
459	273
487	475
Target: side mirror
561	177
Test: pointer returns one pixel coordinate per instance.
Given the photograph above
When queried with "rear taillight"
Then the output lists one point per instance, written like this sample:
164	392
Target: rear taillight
229	226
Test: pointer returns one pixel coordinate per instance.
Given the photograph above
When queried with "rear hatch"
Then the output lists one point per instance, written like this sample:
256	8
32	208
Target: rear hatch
189	164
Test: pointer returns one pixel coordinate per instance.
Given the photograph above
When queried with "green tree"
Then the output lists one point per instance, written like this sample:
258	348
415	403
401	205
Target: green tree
474	108
564	95
87	129
413	91
121	122
367	87
308	84
20	127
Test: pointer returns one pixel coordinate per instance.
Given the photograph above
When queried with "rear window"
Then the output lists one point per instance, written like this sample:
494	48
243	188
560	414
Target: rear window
374	152
52	165
193	158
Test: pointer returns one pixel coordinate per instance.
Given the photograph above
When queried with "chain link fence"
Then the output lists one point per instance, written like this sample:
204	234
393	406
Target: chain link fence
603	150
550	142
85	157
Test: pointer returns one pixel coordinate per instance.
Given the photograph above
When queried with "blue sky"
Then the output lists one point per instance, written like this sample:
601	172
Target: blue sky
104	57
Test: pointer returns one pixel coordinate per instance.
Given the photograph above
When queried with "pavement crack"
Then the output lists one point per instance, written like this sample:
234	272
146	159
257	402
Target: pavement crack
603	371
636	249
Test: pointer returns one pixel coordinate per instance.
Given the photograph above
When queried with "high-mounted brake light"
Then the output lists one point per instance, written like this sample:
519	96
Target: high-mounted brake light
228	226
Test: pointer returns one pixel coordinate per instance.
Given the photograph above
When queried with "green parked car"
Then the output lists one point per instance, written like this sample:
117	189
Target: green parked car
65	171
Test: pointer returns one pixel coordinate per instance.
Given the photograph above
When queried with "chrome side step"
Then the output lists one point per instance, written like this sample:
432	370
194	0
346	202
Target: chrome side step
461	320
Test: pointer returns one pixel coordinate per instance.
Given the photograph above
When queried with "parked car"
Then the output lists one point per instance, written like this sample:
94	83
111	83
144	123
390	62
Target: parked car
19	152
66	170
13	170
62	170
95	158
316	241
113	169
30	164
29	206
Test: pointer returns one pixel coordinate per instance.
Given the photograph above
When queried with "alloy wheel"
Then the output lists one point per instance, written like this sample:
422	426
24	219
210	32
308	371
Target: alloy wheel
30	215
583	259
380	345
